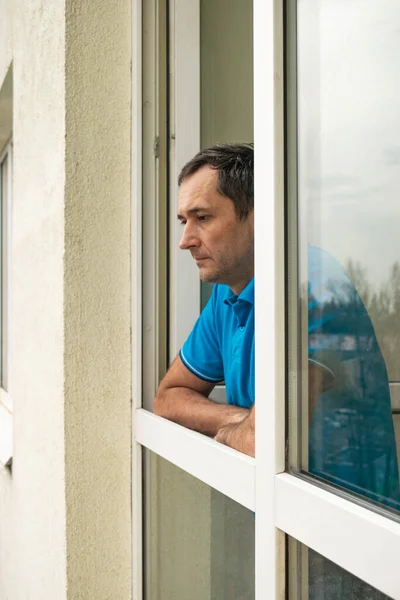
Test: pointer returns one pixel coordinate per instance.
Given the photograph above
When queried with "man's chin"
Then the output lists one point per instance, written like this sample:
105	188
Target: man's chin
207	276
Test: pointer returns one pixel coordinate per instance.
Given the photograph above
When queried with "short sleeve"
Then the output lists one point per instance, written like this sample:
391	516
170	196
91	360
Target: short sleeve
201	353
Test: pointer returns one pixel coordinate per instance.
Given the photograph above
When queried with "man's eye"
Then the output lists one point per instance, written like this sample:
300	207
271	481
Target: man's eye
202	217
182	222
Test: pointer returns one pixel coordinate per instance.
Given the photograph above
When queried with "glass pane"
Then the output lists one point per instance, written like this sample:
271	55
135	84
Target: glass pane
345	261
205	293
226	55
3	199
314	577
199	543
226	46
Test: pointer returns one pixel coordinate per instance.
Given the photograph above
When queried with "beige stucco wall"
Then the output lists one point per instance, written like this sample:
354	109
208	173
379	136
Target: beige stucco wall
65	512
32	503
97	299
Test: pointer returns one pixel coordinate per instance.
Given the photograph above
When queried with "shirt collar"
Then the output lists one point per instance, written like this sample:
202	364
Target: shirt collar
246	295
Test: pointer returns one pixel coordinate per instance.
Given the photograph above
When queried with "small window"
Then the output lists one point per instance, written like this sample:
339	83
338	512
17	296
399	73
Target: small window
5	221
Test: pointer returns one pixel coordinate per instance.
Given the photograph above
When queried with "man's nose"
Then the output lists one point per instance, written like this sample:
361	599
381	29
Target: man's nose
188	239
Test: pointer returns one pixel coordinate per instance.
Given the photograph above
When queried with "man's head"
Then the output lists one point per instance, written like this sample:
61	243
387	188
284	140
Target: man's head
216	200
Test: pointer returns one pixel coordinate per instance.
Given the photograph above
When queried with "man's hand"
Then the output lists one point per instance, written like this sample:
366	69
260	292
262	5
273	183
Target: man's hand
241	435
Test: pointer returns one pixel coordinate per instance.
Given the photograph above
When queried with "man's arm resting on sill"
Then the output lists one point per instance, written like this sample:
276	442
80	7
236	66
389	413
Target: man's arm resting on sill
183	398
240	436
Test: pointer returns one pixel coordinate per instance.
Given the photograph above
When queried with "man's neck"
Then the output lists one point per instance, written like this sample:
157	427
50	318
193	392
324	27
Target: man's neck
238	287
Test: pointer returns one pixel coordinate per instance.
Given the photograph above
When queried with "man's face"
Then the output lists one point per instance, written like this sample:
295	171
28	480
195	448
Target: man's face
222	246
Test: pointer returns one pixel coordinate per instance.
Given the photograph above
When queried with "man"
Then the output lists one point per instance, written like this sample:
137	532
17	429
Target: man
351	436
216	211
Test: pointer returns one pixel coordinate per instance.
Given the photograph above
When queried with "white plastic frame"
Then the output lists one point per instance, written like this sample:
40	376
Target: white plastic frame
220	467
360	541
269	293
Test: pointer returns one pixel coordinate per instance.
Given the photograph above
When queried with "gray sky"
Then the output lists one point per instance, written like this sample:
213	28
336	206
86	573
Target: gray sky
349	129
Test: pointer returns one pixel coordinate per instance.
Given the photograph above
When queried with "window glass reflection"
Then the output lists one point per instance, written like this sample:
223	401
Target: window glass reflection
314	577
352	441
348	169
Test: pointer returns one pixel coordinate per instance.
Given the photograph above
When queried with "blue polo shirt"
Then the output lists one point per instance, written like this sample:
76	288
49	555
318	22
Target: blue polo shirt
351	434
221	345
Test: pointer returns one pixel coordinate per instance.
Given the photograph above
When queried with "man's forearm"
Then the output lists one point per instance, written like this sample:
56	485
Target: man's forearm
193	410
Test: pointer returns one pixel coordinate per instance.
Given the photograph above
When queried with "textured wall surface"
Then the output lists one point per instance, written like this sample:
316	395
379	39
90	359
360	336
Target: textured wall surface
32	504
97	299
65	513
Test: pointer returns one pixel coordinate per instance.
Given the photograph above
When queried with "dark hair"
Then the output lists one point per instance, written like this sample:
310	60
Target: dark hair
235	166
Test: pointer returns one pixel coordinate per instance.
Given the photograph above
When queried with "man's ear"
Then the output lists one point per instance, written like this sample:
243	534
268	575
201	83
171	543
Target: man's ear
250	218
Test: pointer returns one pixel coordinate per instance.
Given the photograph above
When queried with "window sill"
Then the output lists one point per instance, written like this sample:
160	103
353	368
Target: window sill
228	471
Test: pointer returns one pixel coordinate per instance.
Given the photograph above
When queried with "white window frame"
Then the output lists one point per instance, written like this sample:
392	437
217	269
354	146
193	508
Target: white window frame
6	405
355	537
